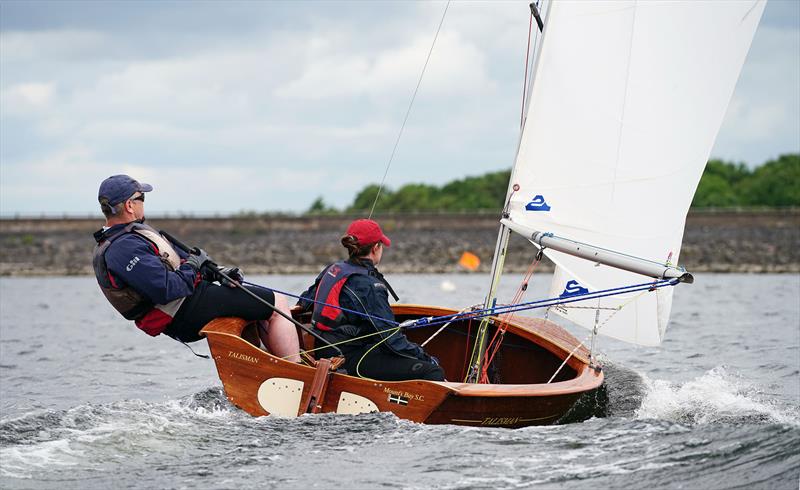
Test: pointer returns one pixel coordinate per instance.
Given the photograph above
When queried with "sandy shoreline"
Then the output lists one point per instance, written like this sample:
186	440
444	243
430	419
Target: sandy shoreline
724	241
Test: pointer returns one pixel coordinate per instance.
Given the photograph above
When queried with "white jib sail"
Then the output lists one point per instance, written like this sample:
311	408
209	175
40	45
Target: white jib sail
627	100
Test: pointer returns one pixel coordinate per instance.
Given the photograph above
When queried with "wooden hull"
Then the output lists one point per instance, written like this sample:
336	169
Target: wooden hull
262	384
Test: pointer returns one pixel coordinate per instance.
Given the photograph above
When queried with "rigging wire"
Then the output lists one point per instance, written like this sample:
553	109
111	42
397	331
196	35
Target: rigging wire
582	343
469	316
442	328
529	66
531	305
495	310
497	340
508	310
413	97
525	77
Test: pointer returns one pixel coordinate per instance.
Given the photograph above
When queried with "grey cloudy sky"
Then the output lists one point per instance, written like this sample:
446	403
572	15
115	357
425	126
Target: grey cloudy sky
266	105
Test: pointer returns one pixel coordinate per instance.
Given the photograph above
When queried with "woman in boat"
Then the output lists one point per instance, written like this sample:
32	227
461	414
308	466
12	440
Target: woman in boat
373	346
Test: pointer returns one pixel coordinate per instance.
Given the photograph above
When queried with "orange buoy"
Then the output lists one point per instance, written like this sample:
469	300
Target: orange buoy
469	261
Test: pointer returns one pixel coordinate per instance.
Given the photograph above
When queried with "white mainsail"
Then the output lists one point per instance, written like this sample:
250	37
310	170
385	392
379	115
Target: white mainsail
627	100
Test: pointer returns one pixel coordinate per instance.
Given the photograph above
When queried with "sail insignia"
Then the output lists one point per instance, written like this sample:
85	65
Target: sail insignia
537	204
573	288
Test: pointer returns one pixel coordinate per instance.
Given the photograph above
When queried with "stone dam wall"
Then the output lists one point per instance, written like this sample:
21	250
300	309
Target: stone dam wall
722	241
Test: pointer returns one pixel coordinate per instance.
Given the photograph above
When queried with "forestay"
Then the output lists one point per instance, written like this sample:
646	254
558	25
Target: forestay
627	100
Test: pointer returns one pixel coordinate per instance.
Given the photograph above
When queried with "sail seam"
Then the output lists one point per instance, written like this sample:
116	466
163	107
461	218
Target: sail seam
624	101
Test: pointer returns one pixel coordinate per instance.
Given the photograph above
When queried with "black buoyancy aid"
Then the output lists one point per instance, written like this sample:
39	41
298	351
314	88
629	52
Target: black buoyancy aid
129	302
329	316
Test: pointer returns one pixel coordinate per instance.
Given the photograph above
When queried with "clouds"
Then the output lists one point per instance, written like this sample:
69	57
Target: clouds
267	105
763	119
25	98
356	73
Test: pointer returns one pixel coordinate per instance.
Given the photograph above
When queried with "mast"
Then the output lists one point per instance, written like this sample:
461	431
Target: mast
504	233
476	361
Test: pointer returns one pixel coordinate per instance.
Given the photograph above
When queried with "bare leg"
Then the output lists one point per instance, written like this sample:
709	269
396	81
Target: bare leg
281	335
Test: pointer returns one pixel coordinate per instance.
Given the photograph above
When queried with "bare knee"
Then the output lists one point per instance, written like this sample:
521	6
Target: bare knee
281	304
282	336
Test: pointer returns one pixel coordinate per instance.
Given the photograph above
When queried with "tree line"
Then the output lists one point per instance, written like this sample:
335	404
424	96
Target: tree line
776	183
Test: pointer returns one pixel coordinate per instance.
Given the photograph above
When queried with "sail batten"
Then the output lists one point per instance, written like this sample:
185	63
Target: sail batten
626	103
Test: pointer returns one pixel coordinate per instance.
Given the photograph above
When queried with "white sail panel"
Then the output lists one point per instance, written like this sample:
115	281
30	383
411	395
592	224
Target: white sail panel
627	100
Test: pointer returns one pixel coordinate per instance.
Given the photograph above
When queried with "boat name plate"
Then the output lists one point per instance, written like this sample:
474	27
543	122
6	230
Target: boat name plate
243	357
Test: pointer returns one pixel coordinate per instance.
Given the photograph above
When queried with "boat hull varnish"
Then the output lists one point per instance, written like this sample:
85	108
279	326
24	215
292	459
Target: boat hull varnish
262	384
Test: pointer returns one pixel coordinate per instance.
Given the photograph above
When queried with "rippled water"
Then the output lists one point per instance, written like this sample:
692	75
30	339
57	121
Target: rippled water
89	402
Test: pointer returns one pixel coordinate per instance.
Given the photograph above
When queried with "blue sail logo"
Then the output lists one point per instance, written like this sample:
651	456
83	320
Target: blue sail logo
573	288
537	204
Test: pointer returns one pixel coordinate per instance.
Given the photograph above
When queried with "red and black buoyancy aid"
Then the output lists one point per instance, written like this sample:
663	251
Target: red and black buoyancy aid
129	302
329	316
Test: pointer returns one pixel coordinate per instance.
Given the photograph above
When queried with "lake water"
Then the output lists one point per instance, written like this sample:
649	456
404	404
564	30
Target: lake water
88	401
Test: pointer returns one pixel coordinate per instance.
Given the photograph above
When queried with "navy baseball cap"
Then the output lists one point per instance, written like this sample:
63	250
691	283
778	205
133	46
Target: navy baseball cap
119	188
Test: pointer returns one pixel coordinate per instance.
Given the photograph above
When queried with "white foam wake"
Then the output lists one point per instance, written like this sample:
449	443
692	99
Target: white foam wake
25	461
716	396
87	434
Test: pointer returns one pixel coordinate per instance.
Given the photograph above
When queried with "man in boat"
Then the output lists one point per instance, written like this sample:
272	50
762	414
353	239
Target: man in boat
166	290
373	345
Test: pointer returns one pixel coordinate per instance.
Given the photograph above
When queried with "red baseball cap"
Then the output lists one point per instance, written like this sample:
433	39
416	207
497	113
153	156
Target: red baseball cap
367	232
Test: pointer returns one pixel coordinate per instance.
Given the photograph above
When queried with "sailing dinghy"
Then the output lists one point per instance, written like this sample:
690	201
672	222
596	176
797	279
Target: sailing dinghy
625	102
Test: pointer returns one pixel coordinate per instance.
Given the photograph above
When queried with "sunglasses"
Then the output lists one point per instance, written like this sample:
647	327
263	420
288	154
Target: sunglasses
140	197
